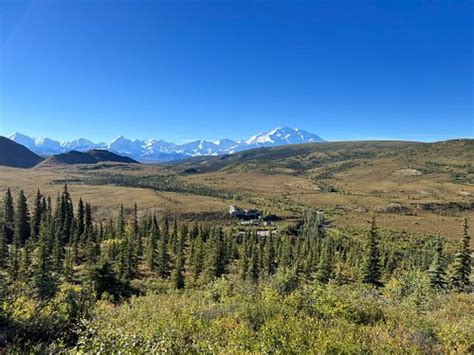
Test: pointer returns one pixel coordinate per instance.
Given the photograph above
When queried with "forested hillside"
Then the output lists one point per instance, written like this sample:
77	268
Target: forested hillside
146	283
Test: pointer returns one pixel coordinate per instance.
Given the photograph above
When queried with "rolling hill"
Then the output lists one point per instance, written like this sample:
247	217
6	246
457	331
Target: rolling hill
91	157
16	155
295	159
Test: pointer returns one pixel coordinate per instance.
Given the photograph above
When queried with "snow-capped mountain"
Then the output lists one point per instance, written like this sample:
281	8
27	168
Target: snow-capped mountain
23	140
157	150
282	136
82	144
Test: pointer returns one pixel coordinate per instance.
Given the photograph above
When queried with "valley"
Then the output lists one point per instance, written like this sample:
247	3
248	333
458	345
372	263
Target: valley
423	188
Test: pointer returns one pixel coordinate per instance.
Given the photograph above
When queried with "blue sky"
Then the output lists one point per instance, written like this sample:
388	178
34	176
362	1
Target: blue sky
180	70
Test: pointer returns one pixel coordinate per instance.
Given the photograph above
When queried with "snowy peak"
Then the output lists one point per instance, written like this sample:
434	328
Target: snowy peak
158	150
282	136
23	140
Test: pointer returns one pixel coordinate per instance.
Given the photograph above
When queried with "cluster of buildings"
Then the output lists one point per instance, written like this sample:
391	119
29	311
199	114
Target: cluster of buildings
251	217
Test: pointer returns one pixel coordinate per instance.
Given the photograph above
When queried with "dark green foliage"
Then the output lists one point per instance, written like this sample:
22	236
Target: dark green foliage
196	264
22	220
43	282
65	215
371	265
68	251
254	266
437	272
216	261
178	272
106	282
37	213
461	267
3	246
80	220
164	260
324	270
8	216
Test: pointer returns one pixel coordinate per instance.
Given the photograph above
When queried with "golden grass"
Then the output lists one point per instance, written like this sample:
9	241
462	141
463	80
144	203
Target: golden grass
365	185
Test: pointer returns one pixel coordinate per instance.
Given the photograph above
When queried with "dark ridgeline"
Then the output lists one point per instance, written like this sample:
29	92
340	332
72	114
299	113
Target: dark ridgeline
91	157
15	155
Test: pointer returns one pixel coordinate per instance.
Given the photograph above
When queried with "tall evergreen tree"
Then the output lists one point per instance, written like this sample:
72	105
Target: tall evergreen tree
164	259
178	271
436	271
324	270
80	219
150	257
24	267
37	213
8	214
371	263
244	261
88	219
66	214
3	246
254	266
197	257
269	257
22	220
461	267
215	264
137	236
13	262
42	279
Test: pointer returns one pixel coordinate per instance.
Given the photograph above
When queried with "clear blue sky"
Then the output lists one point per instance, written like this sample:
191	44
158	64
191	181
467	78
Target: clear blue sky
180	70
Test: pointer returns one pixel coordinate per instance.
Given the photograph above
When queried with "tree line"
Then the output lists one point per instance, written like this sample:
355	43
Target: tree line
44	244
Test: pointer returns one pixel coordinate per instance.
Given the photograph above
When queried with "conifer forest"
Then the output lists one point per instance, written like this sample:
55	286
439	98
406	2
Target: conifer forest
148	283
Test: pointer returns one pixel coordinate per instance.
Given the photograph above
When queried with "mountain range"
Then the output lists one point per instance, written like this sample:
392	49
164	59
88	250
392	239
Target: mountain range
157	150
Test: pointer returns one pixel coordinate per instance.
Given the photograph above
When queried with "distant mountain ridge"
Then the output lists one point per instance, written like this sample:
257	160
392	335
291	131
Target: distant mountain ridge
90	157
157	150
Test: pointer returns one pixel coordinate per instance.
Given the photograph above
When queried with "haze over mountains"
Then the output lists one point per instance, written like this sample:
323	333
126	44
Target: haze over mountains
157	150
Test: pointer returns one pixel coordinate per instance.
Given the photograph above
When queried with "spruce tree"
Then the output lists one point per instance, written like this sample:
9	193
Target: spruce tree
22	220
254	270
68	265
37	213
436	271
197	262
150	257
8	215
371	263
324	270
164	266
244	262
178	272
215	264
269	259
88	219
24	267
13	262
42	280
461	267
80	219
3	246
66	214
137	236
